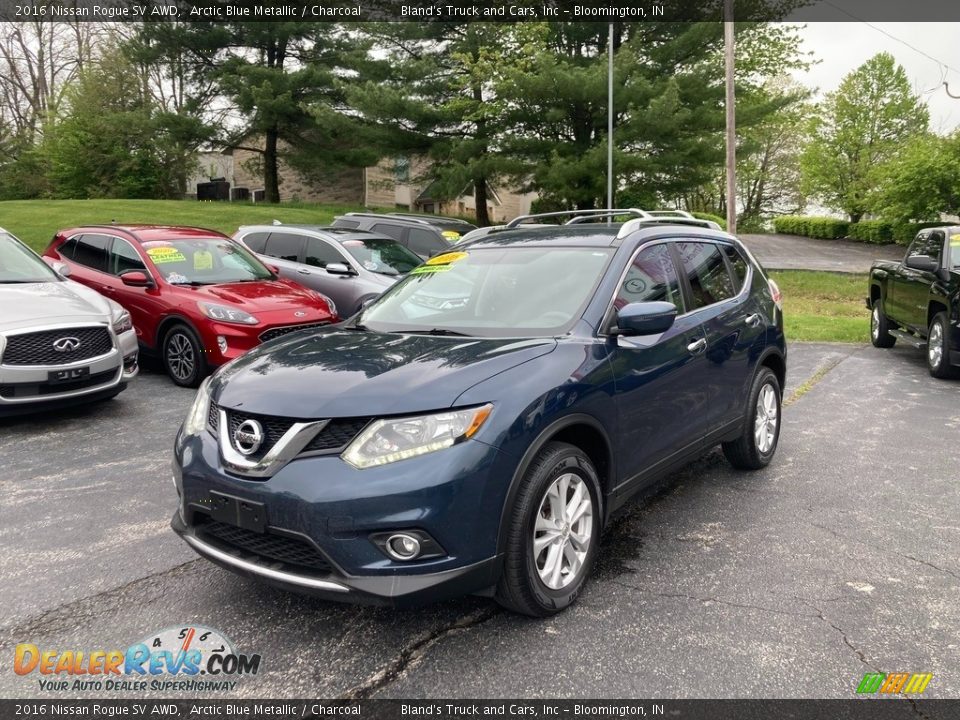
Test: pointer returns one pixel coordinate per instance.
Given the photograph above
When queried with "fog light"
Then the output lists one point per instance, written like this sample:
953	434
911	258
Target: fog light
403	547
222	343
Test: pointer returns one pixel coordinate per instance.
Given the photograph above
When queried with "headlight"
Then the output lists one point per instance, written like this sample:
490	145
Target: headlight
222	313
196	421
119	318
387	441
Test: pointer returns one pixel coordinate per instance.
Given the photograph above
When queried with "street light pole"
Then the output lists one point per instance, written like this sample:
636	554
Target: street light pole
610	120
731	111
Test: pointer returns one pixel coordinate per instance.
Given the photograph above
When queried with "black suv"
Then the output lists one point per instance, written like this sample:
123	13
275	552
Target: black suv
424	235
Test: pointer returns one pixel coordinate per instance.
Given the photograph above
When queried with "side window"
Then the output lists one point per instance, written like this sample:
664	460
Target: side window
68	249
347	224
394	231
738	264
651	277
256	241
92	251
918	246
704	267
934	245
123	257
425	242
320	253
284	246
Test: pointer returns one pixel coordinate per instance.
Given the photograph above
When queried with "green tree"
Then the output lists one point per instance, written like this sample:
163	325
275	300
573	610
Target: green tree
922	181
859	128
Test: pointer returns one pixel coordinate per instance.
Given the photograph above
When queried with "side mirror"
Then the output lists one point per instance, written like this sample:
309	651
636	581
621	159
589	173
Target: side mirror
367	302
339	269
645	318
136	278
60	268
272	268
922	262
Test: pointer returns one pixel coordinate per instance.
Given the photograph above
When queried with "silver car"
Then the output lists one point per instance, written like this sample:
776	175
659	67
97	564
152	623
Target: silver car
351	267
60	343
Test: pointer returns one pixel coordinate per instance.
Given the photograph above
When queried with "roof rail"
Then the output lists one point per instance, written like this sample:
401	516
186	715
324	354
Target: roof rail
671	213
637	223
579	215
398	216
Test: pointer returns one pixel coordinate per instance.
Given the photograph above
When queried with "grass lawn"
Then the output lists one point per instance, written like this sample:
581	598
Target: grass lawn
824	306
36	221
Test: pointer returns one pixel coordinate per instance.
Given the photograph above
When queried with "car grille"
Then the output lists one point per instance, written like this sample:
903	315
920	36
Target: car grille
40	389
270	546
274	333
36	348
337	434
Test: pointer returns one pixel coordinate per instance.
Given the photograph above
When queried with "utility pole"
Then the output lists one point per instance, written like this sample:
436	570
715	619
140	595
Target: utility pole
731	108
610	121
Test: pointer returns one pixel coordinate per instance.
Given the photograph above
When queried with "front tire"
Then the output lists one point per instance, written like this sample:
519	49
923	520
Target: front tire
183	356
880	328
756	446
553	534
938	348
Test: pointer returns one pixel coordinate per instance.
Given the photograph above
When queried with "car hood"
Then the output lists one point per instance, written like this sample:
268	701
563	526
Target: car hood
263	295
344	373
48	303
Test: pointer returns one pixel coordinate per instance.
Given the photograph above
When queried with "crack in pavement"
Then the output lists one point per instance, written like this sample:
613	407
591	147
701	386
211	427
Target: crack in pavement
884	550
76	610
683	596
410	656
843	635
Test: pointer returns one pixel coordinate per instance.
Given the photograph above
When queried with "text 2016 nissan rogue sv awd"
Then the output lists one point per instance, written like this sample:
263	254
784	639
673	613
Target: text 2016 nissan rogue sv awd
421	450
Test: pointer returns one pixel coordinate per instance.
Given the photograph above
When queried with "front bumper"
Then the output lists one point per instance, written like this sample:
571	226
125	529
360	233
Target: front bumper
455	496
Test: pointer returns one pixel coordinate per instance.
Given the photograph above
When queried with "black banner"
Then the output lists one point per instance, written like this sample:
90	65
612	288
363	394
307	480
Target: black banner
872	709
477	10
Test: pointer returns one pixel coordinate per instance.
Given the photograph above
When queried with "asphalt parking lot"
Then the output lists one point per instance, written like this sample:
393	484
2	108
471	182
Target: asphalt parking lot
792	252
842	557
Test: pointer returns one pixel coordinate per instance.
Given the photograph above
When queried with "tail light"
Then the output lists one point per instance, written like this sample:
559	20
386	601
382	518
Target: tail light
775	293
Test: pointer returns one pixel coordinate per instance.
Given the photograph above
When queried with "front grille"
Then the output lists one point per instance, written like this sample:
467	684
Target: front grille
40	389
274	333
36	348
213	418
337	434
282	548
273	429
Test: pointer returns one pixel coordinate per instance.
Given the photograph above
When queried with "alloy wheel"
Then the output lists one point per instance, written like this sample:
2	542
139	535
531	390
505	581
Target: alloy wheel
935	345
768	415
563	531
180	356
875	323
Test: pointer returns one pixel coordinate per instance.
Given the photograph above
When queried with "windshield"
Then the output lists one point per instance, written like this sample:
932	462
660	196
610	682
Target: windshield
955	250
381	255
20	265
493	292
204	262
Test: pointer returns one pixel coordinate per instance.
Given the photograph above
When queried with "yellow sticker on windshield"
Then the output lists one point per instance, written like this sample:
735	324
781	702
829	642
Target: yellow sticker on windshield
203	260
451	234
446	258
165	254
955	240
429	269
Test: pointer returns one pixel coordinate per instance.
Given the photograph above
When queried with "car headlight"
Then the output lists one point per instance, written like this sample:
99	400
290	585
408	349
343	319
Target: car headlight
119	318
222	313
386	441
196	422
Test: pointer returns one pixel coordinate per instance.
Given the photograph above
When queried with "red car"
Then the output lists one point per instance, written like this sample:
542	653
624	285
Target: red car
197	298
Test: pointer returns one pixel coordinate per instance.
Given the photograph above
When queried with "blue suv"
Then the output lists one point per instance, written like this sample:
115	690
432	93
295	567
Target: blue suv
474	429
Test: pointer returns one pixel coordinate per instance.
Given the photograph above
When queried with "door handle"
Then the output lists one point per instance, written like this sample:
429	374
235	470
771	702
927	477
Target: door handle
303	271
697	347
753	320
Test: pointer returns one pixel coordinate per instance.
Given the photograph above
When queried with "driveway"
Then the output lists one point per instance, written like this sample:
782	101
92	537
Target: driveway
842	557
791	252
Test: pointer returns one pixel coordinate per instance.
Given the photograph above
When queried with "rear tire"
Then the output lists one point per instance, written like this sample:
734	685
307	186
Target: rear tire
756	446
554	533
938	348
183	356
880	327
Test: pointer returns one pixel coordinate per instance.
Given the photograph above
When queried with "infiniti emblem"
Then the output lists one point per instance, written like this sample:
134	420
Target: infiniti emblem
248	437
66	344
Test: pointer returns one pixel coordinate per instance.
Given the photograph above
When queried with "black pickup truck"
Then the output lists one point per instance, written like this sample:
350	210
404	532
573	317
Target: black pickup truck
918	299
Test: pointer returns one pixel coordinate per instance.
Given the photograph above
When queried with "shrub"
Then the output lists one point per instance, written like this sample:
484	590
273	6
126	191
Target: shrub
809	226
707	216
872	231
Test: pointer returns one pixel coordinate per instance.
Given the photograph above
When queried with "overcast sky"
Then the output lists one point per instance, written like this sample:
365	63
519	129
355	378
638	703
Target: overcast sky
842	47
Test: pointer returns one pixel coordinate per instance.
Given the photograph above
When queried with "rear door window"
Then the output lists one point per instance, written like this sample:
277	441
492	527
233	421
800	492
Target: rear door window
285	246
738	264
706	272
92	251
426	242
394	231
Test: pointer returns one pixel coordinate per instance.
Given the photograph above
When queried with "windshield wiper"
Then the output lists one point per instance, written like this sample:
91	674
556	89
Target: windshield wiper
435	331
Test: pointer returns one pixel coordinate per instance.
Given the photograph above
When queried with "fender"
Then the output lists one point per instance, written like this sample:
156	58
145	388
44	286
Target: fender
165	324
542	439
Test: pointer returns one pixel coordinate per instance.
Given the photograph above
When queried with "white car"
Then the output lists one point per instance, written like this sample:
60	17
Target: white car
60	343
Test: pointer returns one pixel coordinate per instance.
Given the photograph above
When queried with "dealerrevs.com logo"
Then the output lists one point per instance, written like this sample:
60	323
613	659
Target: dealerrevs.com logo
189	658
